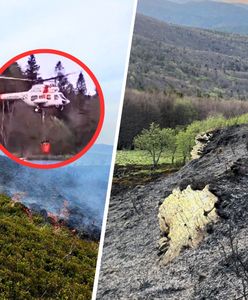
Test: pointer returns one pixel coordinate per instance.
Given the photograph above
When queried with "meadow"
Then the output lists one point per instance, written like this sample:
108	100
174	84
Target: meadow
141	158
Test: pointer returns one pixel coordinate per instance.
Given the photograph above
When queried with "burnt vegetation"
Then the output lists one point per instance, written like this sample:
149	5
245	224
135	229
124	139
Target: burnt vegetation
217	268
21	130
189	81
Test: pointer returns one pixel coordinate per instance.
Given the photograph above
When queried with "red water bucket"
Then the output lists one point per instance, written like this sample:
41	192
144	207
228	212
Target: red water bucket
45	147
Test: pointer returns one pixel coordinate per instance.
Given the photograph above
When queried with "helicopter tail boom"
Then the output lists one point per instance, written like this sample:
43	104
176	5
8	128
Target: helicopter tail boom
12	96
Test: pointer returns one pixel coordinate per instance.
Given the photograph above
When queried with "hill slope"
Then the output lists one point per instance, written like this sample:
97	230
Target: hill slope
189	61
209	271
39	261
203	14
81	186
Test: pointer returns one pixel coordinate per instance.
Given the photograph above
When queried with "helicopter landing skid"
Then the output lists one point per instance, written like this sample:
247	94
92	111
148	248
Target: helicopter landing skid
37	109
60	107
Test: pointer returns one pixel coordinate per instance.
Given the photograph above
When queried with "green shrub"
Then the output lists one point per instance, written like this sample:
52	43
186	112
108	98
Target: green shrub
38	262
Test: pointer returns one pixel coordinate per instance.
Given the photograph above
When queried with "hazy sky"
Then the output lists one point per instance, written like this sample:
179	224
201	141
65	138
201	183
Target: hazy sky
96	32
237	1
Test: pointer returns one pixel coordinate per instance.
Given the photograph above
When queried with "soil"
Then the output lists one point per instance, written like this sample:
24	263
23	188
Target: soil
130	176
217	268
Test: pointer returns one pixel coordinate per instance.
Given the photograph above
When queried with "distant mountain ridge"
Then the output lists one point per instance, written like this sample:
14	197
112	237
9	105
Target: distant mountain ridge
221	16
188	60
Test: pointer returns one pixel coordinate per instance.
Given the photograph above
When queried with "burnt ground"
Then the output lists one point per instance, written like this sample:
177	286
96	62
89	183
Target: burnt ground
217	269
130	176
75	194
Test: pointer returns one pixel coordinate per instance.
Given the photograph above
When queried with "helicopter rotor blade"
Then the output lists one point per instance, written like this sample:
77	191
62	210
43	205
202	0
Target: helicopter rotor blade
14	78
55	77
40	80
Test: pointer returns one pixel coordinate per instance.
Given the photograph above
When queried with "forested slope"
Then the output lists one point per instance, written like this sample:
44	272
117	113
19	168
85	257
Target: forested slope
189	61
181	74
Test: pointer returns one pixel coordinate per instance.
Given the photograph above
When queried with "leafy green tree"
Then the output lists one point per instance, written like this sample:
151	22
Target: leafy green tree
152	140
171	141
185	142
32	70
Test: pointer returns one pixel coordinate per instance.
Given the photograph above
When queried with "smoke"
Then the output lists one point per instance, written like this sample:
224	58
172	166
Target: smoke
75	193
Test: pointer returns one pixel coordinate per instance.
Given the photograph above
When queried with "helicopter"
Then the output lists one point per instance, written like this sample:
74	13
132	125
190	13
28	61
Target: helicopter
40	95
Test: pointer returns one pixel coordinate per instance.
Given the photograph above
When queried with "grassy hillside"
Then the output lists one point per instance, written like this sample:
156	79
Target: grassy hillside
188	61
40	261
217	15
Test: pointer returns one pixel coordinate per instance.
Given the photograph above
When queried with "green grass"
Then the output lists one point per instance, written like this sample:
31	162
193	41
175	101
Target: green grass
143	158
134	167
38	261
139	157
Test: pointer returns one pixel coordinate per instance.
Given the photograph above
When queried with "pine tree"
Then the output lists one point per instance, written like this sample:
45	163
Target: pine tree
59	69
9	86
81	85
32	68
61	81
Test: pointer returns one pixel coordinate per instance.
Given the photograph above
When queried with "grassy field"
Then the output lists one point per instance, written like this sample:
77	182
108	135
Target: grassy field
139	157
134	167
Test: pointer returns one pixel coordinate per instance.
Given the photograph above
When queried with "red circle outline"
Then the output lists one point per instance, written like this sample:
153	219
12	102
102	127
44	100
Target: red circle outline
101	118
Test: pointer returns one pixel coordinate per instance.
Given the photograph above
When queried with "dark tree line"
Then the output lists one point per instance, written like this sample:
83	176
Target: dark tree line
143	108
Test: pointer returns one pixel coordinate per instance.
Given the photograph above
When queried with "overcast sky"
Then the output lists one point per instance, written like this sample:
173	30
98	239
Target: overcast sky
96	32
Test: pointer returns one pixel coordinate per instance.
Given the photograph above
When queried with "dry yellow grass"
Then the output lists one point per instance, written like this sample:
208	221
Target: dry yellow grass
183	217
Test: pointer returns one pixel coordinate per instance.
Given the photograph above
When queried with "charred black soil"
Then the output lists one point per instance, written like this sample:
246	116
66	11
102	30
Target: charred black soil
130	176
217	268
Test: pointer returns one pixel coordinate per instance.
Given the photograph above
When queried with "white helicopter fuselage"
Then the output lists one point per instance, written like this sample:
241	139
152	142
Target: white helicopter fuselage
39	95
